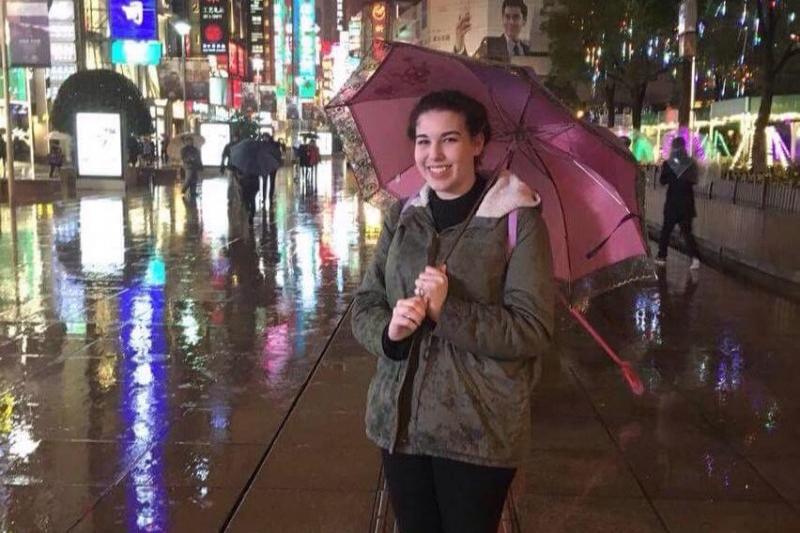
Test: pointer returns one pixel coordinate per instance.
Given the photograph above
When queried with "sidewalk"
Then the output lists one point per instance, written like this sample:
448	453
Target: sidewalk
690	455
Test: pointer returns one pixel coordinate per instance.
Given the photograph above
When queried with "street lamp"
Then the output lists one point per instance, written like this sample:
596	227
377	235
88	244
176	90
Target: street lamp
183	28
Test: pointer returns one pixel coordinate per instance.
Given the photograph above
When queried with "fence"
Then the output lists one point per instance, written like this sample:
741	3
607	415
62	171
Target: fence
742	188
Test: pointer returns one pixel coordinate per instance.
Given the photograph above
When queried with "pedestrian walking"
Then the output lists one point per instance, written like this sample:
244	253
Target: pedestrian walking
226	154
275	151
457	344
3	148
314	157
55	159
164	146
192	164
679	173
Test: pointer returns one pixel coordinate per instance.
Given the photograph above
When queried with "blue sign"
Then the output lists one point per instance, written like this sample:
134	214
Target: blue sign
135	52
133	19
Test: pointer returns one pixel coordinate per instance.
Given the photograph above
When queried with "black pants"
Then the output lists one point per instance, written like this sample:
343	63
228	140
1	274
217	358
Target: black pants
685	223
433	495
268	181
249	185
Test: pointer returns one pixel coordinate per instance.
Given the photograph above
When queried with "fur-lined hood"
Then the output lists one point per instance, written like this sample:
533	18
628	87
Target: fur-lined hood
507	194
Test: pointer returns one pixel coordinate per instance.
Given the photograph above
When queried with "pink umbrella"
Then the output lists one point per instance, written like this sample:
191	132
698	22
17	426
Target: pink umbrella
587	182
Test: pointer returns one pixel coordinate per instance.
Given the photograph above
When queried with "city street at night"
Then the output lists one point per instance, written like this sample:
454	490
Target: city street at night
399	266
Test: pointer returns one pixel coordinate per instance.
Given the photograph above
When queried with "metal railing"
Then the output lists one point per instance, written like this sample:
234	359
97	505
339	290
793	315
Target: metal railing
742	188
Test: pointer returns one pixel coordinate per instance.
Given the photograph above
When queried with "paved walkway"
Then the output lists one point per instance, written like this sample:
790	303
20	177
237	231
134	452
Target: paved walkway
163	369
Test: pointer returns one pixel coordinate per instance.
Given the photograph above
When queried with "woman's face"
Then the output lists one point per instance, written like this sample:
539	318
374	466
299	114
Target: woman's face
445	152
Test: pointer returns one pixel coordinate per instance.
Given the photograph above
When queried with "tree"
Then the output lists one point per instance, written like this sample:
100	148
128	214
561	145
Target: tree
243	126
624	43
100	91
764	38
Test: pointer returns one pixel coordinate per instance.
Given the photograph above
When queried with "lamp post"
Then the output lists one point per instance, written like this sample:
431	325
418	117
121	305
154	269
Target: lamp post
8	166
183	28
687	43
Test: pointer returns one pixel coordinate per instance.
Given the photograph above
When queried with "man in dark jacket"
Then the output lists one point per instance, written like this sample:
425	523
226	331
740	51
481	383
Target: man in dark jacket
679	174
226	154
502	48
192	164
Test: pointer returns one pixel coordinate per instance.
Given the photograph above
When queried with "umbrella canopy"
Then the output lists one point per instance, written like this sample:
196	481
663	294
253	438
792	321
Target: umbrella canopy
253	157
588	183
177	143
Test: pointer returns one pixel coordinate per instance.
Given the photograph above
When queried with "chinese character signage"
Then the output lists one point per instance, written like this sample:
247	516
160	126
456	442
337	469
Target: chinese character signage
256	27
214	26
29	27
132	19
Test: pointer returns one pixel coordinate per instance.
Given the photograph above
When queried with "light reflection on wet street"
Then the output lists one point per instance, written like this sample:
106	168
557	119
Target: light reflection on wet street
151	347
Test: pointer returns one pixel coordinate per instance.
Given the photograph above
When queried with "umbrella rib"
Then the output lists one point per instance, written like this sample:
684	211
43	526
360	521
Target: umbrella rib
563	215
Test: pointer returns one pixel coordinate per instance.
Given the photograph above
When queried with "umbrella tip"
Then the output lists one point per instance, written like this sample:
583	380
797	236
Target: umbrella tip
633	379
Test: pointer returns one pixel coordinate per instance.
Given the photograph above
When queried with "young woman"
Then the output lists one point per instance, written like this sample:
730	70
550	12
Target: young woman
457	344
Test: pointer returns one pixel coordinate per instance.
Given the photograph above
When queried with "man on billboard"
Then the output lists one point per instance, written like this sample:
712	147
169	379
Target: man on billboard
504	47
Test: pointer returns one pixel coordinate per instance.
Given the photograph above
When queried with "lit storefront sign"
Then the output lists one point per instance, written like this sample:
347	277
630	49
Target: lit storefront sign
214	26
18	86
306	46
133	19
379	15
268	74
99	137
135	52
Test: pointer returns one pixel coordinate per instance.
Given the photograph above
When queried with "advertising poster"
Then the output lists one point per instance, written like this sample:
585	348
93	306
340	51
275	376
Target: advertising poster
268	102
218	91
99	138
214	26
198	74
249	98
170	83
133	19
29	33
217	136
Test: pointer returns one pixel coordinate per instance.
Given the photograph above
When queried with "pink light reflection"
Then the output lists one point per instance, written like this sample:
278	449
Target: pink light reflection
276	351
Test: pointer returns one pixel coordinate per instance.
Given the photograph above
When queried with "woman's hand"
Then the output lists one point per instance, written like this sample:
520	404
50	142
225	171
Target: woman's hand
407	316
432	285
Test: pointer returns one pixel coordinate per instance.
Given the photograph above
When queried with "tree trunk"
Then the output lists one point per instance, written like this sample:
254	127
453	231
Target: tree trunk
759	153
611	108
639	92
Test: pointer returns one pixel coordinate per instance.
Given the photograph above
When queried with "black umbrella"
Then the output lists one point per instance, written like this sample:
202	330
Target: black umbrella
253	158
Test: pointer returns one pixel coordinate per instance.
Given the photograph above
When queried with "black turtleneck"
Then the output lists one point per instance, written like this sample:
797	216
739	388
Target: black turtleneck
446	214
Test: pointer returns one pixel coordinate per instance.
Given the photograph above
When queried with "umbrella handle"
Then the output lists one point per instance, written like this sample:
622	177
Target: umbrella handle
628	372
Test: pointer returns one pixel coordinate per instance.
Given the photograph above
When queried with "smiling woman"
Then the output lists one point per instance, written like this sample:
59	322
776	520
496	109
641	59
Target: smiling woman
457	343
449	131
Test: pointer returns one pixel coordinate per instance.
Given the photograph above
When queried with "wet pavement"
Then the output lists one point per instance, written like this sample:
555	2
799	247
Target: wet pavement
163	368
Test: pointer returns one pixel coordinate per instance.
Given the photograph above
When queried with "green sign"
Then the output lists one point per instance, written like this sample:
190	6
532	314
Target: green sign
19	86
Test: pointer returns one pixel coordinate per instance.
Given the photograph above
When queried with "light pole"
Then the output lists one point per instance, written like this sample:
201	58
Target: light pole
8	167
687	43
183	28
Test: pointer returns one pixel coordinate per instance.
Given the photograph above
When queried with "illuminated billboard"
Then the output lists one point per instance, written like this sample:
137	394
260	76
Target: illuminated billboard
217	135
213	26
306	47
99	137
135	52
133	19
